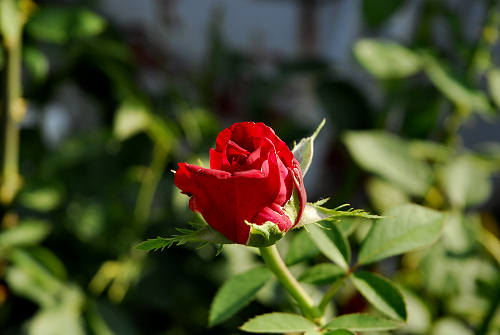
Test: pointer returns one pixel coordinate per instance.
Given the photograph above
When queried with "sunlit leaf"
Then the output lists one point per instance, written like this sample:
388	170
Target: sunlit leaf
236	293
385	195
61	319
453	89
381	293
362	322
450	325
278	323
301	249
419	315
29	278
430	150
465	182
60	24
331	242
131	118
389	157
321	274
43	198
339	332
386	60
28	232
402	229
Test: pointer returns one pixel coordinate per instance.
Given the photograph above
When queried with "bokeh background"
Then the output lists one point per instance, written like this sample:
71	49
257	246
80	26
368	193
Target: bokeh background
118	91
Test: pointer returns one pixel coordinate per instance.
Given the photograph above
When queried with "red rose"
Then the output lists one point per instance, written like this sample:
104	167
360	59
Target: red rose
251	178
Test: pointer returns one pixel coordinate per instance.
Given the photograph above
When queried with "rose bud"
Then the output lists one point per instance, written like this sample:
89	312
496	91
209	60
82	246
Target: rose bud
253	192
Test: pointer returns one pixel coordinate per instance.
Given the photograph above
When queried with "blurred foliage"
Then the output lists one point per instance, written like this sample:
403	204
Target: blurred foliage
97	146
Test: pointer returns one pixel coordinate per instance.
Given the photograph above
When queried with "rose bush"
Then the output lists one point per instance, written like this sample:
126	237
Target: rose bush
252	177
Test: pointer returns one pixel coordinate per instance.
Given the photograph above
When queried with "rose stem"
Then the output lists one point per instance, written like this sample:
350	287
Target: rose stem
275	263
332	290
10	179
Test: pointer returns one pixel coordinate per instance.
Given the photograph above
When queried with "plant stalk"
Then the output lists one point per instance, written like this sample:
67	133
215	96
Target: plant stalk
332	290
11	180
275	263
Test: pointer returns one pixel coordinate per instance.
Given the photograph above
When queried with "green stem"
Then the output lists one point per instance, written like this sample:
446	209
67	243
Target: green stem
10	182
275	263
149	184
332	290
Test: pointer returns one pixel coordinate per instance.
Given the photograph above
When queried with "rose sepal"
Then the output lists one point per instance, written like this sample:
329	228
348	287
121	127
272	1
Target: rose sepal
314	212
204	235
263	235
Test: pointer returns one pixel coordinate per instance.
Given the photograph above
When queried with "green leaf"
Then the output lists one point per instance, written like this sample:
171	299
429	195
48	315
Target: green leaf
278	323
348	225
419	315
264	235
313	332
60	24
301	249
386	60
42	198
131	118
339	332
28	232
466	98
389	157
36	62
58	320
236	293
321	274
362	322
304	150
154	244
385	195
494	85
204	235
465	182
381	293
404	228
29	278
376	12
331	242
429	150
449	325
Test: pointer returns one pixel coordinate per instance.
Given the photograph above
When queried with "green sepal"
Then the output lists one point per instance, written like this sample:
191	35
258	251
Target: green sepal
304	150
264	235
203	235
292	207
313	213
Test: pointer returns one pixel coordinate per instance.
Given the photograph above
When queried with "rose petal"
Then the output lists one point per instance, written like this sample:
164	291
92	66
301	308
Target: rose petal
275	215
301	190
215	159
226	200
244	131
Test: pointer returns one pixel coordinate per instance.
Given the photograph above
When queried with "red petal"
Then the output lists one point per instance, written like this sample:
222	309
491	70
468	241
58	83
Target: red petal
215	159
226	200
242	132
301	190
274	214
